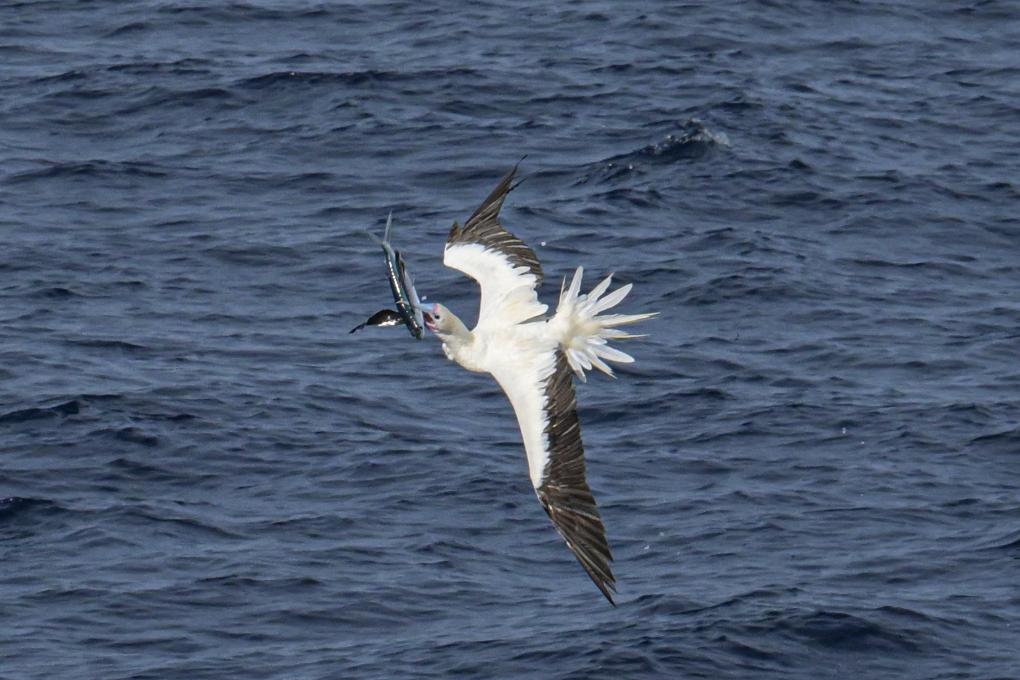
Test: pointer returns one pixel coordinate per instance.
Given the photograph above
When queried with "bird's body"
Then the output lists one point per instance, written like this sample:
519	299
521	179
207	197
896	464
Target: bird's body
532	357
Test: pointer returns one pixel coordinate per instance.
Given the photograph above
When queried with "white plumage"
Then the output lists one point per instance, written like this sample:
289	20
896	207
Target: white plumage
531	357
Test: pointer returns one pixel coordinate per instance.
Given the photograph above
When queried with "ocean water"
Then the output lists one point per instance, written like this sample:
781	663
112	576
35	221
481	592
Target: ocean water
811	471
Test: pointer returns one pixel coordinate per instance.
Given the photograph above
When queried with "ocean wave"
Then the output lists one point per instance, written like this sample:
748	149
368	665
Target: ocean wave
67	408
691	142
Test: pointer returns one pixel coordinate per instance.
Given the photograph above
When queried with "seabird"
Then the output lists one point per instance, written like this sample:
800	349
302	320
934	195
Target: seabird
532	357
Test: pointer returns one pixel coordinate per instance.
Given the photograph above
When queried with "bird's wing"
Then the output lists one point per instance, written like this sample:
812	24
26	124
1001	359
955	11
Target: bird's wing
539	384
505	268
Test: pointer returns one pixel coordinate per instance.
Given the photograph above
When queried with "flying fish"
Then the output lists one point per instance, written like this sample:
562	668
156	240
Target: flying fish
405	296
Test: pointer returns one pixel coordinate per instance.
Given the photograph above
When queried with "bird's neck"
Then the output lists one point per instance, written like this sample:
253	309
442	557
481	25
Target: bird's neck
461	345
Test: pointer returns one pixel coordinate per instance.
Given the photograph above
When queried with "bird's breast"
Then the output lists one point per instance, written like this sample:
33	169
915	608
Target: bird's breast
470	355
496	349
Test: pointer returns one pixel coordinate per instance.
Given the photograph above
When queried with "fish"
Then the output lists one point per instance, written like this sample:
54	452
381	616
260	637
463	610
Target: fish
402	286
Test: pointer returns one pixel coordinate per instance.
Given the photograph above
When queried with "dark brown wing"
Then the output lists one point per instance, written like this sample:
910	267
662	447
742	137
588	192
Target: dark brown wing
484	228
564	491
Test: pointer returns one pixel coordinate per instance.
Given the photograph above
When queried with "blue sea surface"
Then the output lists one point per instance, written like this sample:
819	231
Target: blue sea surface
811	471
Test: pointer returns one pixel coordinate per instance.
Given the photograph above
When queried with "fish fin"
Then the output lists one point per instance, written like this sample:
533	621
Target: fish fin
384	317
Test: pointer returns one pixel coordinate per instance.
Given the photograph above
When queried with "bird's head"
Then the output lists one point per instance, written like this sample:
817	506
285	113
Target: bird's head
442	321
436	318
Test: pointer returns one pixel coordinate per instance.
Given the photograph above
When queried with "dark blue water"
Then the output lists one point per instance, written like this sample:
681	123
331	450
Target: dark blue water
811	471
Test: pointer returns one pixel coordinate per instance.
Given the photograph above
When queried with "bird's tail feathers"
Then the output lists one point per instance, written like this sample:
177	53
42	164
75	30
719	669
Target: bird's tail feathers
584	331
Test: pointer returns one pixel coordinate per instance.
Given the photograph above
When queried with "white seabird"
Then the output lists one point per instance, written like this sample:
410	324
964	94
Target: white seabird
531	357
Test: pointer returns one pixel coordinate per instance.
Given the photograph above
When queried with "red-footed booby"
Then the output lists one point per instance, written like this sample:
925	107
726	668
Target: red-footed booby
531	357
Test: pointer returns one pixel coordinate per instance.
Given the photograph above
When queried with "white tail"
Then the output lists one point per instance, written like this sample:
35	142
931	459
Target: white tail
583	334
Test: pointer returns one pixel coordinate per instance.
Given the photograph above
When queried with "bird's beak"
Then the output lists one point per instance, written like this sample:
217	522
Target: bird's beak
429	323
